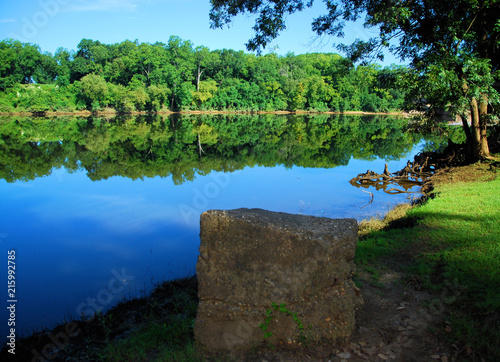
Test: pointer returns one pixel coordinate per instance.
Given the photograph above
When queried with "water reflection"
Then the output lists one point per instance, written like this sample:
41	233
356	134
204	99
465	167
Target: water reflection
82	197
182	146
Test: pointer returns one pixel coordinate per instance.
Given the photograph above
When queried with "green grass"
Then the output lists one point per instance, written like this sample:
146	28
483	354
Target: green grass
381	238
160	338
456	240
462	225
379	244
155	342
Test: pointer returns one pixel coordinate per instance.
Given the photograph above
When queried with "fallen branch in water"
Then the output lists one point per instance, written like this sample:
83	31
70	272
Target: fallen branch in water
371	198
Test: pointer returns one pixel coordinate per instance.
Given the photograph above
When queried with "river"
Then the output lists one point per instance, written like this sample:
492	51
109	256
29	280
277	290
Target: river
99	209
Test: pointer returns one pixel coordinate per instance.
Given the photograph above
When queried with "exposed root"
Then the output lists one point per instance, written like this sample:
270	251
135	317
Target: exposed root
413	174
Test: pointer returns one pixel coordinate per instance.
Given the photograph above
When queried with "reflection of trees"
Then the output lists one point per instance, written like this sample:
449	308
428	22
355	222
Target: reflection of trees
137	147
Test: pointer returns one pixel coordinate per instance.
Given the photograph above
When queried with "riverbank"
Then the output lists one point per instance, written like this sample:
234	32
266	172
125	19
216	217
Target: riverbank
429	276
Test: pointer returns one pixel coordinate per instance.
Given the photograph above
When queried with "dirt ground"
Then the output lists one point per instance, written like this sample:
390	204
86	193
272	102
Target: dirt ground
398	322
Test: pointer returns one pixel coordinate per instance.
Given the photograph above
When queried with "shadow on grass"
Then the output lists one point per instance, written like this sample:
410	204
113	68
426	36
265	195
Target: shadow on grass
461	247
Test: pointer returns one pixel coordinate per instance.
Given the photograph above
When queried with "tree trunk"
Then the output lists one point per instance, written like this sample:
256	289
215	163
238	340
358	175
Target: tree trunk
468	134
172	99
483	125
198	78
476	134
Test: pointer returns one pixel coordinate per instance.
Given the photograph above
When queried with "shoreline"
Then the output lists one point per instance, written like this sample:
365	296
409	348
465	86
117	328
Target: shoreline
210	112
79	331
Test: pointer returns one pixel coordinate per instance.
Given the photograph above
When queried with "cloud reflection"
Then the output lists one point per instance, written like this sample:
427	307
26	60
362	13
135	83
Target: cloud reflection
117	213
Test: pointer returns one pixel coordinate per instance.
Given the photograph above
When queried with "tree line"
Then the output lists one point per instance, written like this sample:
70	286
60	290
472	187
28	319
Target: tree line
132	76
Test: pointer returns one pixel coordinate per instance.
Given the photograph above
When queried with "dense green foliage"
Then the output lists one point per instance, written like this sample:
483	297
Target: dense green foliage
133	76
138	147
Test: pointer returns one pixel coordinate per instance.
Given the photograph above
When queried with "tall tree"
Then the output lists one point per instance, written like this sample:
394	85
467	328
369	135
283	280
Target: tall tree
9	72
124	64
181	66
461	40
151	58
94	90
47	69
204	58
63	58
19	62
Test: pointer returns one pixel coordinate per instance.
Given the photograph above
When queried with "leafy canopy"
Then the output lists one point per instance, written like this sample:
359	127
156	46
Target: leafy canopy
412	29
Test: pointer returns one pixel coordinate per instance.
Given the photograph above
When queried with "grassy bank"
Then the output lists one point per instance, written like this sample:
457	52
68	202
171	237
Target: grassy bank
449	246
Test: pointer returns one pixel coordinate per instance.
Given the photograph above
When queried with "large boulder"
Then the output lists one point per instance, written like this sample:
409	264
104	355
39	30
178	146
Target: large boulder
253	261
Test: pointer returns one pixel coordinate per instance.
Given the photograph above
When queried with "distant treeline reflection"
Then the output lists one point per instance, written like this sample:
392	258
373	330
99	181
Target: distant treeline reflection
181	146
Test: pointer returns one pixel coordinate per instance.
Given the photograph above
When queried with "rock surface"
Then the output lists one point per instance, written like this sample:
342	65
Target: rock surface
252	258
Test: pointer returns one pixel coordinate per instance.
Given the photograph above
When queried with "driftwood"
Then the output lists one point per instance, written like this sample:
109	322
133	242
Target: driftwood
382	182
413	174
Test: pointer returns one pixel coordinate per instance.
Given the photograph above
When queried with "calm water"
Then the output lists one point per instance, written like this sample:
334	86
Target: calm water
99	210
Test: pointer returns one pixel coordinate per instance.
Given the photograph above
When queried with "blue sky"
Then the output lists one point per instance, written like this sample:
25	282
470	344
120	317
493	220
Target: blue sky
63	23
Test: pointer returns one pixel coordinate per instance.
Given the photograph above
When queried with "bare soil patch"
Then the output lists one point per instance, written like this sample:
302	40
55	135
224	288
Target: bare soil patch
397	322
